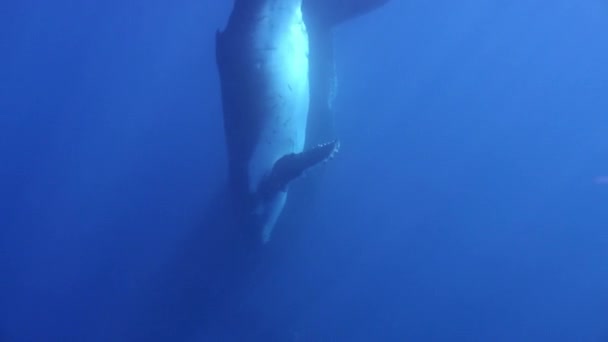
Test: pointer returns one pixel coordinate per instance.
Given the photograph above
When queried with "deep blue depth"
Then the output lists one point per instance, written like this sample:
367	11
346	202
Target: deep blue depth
467	202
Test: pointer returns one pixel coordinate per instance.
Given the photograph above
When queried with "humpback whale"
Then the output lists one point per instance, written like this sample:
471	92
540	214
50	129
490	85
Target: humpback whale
262	58
205	281
275	62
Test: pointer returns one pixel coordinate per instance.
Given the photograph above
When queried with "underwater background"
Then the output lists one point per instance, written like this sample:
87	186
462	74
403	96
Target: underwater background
468	201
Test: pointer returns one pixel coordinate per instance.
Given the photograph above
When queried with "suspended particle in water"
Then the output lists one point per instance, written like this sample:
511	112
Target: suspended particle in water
601	180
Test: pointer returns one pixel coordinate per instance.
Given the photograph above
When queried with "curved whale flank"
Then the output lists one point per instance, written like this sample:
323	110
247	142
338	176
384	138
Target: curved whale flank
262	58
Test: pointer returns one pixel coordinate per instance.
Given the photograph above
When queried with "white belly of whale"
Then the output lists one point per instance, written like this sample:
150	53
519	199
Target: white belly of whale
281	47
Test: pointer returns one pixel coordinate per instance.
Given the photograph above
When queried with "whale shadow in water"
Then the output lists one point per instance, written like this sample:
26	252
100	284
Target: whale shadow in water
201	284
203	291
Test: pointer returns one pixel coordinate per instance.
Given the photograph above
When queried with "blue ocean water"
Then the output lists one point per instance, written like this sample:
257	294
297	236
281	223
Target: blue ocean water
468	202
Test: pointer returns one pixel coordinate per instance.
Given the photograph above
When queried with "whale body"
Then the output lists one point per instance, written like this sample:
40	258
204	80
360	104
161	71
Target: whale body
262	58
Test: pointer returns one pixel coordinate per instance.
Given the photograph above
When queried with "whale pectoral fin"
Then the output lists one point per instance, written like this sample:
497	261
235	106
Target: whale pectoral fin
333	12
293	165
